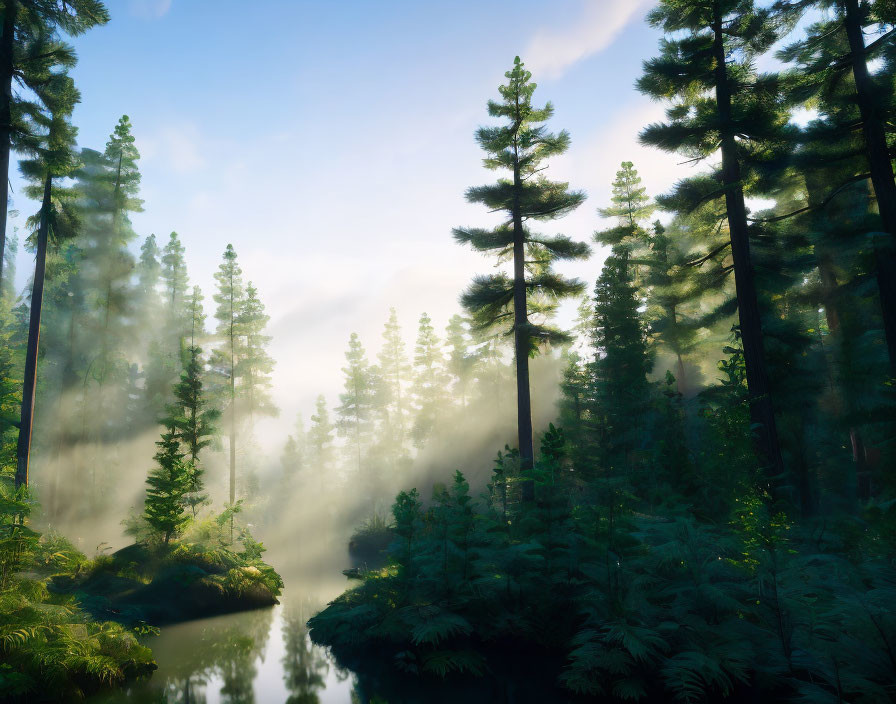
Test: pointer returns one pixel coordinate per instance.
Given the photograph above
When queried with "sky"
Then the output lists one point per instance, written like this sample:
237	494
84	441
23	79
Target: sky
331	144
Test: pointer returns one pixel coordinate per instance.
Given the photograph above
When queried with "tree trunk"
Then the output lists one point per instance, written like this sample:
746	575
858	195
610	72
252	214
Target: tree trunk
843	400
521	343
881	171
29	386
680	382
762	412
7	41
232	409
232	445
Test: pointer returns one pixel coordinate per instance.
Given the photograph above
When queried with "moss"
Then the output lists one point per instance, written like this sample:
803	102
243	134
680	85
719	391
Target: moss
161	584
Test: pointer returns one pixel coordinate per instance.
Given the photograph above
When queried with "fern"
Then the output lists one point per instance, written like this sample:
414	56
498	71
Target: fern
444	662
440	627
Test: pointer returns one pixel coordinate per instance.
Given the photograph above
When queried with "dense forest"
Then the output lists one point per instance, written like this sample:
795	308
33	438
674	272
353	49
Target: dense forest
687	495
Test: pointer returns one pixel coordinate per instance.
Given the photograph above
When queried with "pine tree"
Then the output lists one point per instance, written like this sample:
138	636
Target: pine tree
148	268
621	392
196	316
428	388
521	146
839	153
355	411
147	302
8	285
193	421
53	159
293	460
460	359
393	375
631	206
670	283
289	460
255	365
834	57
320	440
168	485
176	283
230	298
708	51
10	384
108	184
30	52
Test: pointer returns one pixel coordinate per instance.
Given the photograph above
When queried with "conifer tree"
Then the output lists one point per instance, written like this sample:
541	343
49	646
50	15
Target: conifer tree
293	460
705	67
193	421
428	388
30	52
196	316
520	146
10	385
176	282
834	75
148	268
825	199
255	365
320	439
108	183
355	411
53	158
229	297
622	363
460	360
147	301
394	376
7	285
167	487
631	206
289	460
670	284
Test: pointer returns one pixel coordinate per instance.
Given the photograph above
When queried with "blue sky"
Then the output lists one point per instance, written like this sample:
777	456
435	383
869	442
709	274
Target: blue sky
331	144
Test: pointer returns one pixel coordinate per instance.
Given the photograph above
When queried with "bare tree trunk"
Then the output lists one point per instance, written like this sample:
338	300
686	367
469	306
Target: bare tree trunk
521	342
232	407
29	386
762	413
881	171
7	41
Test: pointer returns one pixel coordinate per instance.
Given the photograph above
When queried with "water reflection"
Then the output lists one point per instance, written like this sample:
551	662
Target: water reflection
257	657
267	657
305	665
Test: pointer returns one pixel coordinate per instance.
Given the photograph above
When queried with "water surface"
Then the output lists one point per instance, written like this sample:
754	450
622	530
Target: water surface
254	657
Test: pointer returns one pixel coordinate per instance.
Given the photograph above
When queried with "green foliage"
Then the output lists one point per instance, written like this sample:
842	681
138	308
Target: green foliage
641	605
428	388
355	413
520	146
50	649
168	485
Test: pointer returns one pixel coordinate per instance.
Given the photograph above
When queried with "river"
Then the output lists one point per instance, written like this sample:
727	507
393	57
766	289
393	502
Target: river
253	657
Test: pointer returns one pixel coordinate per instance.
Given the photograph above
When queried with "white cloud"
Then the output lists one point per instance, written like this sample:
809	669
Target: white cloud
554	50
149	9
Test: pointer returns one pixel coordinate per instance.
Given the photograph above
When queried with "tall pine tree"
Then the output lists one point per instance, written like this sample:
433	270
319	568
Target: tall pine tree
721	106
54	158
229	298
520	146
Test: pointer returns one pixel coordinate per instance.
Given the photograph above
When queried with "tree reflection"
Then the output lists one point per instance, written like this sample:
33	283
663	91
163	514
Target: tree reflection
305	666
235	650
